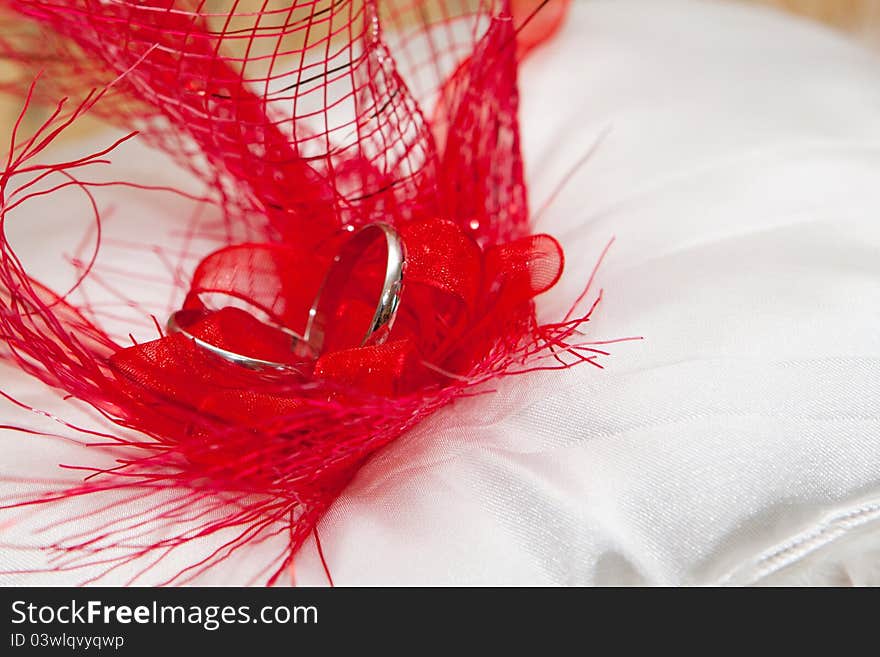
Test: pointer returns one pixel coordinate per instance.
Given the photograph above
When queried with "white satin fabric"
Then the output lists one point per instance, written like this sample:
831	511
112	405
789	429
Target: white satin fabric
734	153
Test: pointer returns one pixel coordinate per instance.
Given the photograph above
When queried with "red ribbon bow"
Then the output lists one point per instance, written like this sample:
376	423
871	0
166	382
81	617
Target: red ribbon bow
456	303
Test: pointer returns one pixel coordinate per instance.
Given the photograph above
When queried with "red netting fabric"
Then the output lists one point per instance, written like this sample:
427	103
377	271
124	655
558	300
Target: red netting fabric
303	121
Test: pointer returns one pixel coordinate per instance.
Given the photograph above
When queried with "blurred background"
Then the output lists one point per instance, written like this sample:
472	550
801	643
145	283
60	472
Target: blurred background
857	18
860	17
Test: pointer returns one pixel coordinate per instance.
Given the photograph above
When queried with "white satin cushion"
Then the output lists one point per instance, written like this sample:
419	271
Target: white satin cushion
734	153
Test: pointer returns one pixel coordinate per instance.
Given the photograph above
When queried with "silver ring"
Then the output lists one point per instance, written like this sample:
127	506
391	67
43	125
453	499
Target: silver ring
311	344
340	271
256	364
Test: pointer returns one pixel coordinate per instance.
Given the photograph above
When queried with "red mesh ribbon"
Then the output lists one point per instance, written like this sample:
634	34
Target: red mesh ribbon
304	121
312	97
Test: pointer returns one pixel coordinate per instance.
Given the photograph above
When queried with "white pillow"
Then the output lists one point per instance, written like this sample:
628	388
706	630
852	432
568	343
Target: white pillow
734	153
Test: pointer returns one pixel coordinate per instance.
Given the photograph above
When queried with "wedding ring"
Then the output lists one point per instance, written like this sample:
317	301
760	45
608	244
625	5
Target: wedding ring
329	294
177	322
311	344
